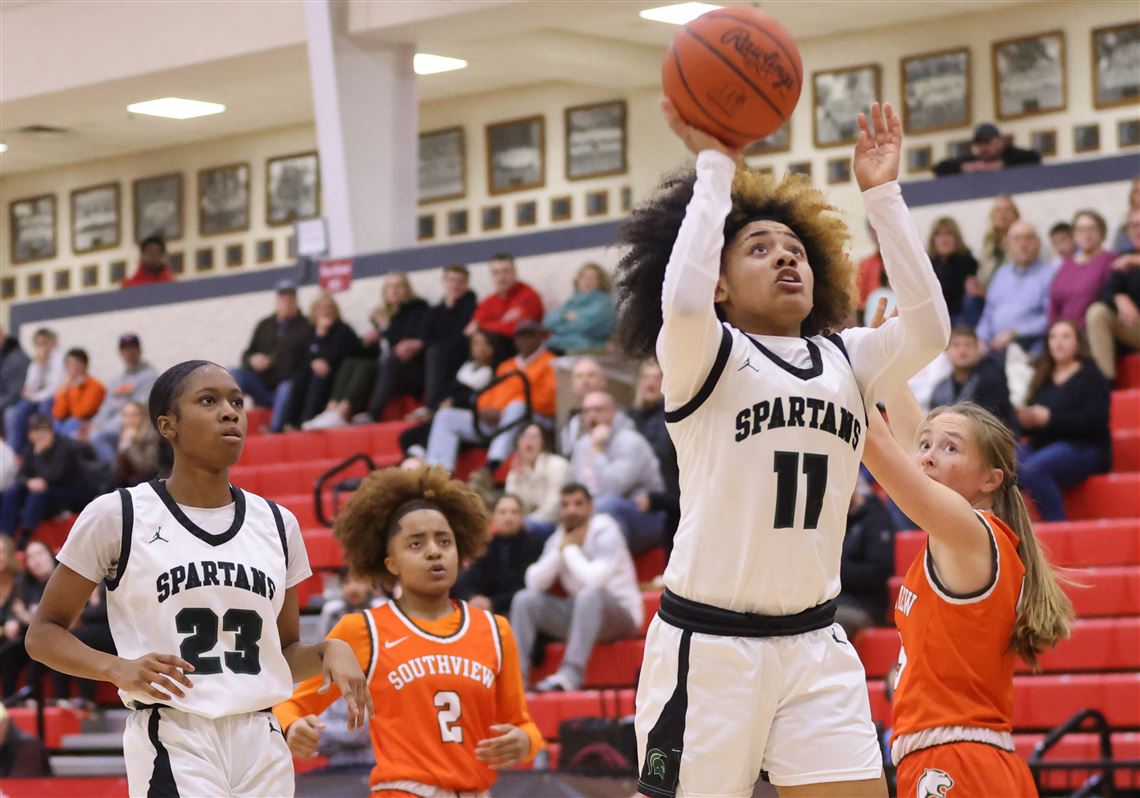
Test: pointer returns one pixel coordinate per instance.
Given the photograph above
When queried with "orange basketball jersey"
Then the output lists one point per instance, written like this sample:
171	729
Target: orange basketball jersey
437	687
956	664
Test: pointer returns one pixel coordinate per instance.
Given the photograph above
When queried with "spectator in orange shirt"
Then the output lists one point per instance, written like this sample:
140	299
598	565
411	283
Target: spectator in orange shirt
79	397
501	408
152	264
512	302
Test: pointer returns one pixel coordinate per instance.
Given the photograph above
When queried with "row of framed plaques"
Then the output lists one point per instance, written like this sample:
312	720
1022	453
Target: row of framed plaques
458	222
1028	79
292	193
515	149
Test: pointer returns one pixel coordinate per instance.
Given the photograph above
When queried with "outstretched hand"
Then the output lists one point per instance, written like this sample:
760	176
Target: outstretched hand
877	151
694	138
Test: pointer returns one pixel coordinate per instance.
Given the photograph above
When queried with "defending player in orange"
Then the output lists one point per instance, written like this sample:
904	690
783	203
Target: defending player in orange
979	595
444	677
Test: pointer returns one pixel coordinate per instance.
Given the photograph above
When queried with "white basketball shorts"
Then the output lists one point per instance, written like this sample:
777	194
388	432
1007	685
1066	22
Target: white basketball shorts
173	754
713	712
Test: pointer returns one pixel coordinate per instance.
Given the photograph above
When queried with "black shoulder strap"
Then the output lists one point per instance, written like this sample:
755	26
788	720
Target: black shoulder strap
687	409
835	339
280	528
125	539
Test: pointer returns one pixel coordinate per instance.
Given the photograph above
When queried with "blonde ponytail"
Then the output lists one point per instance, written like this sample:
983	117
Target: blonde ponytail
1044	613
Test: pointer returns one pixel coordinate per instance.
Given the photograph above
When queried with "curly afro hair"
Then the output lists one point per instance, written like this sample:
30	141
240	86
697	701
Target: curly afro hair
652	229
372	516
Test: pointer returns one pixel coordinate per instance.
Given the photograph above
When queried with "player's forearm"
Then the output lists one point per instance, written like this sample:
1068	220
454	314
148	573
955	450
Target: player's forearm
305	661
60	650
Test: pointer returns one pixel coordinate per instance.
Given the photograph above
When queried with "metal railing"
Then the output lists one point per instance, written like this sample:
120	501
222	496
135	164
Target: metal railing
1102	777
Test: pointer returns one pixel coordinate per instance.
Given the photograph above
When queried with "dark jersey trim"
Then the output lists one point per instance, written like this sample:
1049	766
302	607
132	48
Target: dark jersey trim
206	537
373	643
462	630
836	339
162	784
124	540
277	519
687	409
665	743
930	569
809	373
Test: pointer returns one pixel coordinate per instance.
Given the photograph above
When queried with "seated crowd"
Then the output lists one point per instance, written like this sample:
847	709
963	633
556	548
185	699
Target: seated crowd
577	491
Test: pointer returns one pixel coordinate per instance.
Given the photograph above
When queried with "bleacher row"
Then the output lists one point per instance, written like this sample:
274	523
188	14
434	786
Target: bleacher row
1099	548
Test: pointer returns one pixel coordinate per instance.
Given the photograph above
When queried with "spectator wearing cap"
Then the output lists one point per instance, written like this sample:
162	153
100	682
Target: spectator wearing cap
42	379
152	264
78	400
500	409
989	153
50	480
14	363
512	302
133	384
276	352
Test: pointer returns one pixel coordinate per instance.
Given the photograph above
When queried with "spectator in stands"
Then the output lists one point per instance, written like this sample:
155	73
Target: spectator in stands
389	364
356	594
1003	213
132	385
9	464
1115	316
136	451
1080	279
974	378
22	755
621	471
586	377
152	264
1066	421
536	479
276	352
583	589
42	379
445	342
330	343
648	416
1063	244
501	408
78	399
585	321
872	275
954	264
473	376
39	563
493	580
1123	242
12	629
867	563
93	629
990	152
50	480
13	370
512	302
1017	304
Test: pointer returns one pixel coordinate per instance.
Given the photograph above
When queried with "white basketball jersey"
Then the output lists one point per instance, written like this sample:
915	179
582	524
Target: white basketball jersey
212	599
769	452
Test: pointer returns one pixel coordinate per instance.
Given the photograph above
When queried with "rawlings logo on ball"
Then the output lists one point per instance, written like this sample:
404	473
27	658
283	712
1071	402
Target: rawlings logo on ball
762	62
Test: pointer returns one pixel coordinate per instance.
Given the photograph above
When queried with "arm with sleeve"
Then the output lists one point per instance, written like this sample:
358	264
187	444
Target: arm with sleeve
542	574
604	542
900	348
691	333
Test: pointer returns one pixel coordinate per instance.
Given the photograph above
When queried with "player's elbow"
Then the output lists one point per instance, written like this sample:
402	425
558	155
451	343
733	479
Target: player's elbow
36	639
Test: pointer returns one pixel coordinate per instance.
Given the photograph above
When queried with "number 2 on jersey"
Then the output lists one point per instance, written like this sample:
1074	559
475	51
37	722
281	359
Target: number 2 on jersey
786	466
450	711
201	623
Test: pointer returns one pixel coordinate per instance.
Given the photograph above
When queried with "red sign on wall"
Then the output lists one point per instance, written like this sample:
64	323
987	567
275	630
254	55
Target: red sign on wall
335	275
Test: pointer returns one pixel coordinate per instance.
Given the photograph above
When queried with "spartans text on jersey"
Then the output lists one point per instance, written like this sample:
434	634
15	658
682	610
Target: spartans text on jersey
443	664
821	414
209	573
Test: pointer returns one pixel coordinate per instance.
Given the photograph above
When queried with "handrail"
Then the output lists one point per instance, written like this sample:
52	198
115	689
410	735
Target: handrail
318	487
485	437
1074	724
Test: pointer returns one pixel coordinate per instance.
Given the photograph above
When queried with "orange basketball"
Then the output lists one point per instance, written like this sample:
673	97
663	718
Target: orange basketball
735	73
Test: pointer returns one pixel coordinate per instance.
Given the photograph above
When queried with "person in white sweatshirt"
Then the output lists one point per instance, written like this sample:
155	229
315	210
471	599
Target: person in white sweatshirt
583	589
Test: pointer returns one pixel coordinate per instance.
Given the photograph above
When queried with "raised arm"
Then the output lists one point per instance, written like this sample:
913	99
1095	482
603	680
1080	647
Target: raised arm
900	348
690	335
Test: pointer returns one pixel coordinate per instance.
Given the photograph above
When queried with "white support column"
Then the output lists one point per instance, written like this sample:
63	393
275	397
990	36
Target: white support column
364	99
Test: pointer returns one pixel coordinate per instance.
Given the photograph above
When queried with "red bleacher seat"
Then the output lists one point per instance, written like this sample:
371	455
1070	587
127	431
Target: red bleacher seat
1077	747
1124	412
613	664
1102	644
324	550
649	564
1126	450
311	591
549	709
1128	372
54	531
57	723
259	418
1105	496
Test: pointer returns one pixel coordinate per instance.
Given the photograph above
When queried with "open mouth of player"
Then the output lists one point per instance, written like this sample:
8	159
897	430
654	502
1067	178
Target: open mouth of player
789	279
232	435
438	570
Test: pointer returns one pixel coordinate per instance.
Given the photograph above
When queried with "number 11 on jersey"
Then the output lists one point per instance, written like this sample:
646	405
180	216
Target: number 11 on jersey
786	465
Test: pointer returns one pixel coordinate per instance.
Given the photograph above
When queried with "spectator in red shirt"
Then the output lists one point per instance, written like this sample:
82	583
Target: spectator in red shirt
152	264
78	399
512	302
872	276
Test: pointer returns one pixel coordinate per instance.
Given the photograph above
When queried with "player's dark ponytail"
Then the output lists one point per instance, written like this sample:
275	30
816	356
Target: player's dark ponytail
163	400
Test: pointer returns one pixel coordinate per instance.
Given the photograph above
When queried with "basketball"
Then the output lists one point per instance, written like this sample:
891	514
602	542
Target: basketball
735	73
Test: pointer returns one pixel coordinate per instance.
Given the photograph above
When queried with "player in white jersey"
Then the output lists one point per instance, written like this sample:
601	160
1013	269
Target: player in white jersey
196	566
735	280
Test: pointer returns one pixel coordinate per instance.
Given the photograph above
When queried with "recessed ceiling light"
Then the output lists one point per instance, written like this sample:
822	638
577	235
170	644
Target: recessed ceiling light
176	108
678	14
3	147
428	64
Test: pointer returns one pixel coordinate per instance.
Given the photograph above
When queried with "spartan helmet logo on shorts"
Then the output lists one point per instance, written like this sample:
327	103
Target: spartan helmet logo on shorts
655	763
934	784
